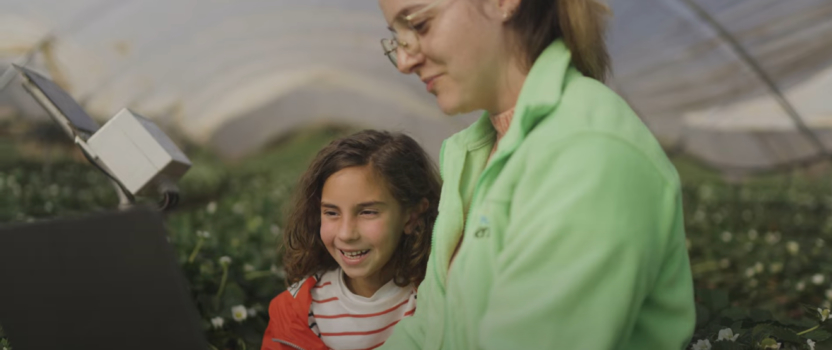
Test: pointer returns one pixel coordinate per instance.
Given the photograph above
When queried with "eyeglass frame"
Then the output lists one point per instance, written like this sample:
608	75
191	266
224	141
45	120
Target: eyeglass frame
403	44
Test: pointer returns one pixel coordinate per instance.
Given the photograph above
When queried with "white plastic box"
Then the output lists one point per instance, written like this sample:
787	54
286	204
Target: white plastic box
137	152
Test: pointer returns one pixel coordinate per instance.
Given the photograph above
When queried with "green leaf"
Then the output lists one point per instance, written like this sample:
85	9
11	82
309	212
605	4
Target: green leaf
718	300
734	313
702	316
727	345
805	323
736	327
760	332
818	335
759	315
232	296
786	335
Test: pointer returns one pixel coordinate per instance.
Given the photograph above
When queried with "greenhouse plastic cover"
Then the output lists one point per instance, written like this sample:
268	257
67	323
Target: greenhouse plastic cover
236	74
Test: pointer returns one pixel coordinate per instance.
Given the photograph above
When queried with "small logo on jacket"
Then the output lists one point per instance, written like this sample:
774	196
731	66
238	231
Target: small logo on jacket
482	231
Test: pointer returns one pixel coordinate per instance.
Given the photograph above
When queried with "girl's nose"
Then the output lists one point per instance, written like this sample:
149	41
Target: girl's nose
348	231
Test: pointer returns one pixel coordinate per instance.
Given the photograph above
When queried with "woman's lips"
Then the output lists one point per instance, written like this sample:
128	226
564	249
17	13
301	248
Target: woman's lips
430	83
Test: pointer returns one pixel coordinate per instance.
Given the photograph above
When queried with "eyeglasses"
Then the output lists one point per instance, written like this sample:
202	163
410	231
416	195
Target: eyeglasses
406	34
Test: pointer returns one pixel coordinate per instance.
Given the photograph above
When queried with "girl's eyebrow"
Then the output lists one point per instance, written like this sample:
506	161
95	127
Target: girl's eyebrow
360	205
370	204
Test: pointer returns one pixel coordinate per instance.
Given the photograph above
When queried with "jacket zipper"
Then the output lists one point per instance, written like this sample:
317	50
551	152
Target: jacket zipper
287	343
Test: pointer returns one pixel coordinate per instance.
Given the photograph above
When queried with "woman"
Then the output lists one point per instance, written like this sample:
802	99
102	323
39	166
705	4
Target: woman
560	221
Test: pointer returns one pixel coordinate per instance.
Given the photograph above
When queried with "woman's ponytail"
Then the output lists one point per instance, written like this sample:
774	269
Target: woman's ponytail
580	23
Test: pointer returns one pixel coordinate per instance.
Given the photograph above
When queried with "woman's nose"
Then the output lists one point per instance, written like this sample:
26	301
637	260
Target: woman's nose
406	62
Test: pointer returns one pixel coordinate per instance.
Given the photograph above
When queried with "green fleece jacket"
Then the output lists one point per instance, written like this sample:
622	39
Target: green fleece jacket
573	230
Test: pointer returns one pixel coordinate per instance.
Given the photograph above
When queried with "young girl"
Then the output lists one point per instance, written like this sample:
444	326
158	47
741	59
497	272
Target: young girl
356	244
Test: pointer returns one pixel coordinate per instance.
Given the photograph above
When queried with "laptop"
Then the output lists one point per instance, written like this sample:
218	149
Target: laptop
108	281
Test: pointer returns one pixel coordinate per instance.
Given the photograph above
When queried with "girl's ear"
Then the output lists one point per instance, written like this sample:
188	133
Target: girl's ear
414	214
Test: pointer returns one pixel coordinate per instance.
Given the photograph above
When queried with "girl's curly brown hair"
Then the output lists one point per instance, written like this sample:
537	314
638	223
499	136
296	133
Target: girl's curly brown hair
410	176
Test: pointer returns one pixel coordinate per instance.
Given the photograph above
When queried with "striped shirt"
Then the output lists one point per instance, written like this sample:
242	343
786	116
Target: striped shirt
346	321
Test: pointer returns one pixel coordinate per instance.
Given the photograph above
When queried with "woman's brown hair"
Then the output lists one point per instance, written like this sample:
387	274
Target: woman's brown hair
580	23
410	176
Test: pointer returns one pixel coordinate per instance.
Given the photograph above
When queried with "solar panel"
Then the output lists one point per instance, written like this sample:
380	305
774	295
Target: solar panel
78	118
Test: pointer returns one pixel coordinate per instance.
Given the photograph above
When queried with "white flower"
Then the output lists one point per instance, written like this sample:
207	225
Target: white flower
727	236
817	279
758	267
248	268
225	260
819	243
687	243
211	208
727	334
824	314
217	322
239	208
752	235
275	230
793	247
829	294
725	263
811	344
775	267
773	237
800	286
251	312
203	234
749	272
702	344
239	313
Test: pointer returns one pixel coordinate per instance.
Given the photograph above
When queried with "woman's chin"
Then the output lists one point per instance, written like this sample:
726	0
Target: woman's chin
449	106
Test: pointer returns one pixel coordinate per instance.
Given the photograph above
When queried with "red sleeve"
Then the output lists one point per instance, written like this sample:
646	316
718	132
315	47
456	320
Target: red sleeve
289	321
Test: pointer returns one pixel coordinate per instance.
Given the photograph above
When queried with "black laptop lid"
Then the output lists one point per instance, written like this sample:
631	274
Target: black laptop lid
109	281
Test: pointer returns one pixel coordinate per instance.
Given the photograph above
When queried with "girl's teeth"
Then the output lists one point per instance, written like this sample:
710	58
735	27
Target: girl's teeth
355	254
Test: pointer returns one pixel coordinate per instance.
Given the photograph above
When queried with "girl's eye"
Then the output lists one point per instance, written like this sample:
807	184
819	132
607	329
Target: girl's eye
369	212
328	213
